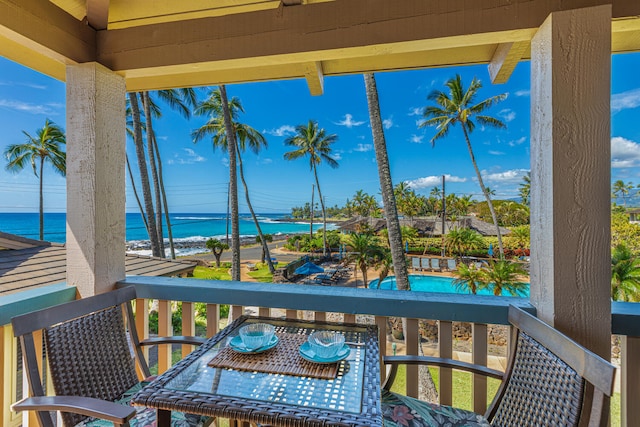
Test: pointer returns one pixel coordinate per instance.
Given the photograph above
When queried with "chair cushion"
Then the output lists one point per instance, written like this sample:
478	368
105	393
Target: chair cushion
399	410
146	417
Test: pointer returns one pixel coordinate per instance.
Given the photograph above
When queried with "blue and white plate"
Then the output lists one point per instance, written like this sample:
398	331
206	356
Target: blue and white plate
236	344
310	355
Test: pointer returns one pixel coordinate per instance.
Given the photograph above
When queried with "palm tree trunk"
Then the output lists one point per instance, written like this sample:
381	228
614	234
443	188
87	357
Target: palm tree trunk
135	193
164	197
146	103
324	214
233	186
265	248
41	200
484	191
144	175
388	197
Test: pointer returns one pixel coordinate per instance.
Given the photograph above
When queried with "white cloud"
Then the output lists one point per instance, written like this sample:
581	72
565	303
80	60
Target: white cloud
388	123
430	181
266	161
523	92
510	176
416	139
518	141
496	153
624	153
190	158
415	111
349	122
508	115
225	162
46	109
363	148
336	155
625	100
283	130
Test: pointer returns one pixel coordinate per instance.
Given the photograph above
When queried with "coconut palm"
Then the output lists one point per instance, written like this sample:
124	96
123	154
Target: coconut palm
459	106
365	252
44	147
504	275
469	278
144	174
622	189
181	101
625	275
216	247
268	238
460	240
386	185
313	142
525	189
245	137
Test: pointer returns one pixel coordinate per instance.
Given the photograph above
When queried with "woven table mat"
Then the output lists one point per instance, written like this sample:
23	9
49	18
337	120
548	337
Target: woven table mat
284	358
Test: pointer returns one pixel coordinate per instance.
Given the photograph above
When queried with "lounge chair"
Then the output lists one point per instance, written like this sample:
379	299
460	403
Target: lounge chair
435	264
544	384
451	264
415	263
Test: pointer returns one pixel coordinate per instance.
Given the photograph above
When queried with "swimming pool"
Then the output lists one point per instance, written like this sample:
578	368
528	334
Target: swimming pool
425	283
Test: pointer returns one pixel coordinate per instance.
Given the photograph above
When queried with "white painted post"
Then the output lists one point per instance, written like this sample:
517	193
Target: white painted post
570	174
95	178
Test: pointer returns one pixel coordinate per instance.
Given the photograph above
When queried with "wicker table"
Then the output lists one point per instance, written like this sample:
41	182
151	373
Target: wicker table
352	398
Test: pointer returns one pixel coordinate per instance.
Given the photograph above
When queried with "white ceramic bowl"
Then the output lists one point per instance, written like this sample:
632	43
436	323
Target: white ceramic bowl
256	335
326	344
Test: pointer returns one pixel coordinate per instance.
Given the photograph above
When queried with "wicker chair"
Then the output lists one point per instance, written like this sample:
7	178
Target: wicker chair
91	359
544	384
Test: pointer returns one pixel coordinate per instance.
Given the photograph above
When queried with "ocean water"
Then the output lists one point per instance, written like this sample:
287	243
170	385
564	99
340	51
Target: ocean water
190	230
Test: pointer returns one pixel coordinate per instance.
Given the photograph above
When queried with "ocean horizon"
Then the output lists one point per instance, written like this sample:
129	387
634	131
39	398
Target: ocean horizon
190	230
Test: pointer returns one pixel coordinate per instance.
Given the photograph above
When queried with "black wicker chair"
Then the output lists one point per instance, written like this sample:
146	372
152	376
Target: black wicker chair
91	359
544	384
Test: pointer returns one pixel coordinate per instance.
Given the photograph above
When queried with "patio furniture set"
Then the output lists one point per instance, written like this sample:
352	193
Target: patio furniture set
92	350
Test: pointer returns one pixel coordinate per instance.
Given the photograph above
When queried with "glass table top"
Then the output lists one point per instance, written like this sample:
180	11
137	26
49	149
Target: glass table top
344	393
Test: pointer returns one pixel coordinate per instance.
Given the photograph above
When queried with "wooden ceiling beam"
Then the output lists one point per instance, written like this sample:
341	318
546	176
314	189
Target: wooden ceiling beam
42	28
98	14
505	59
312	71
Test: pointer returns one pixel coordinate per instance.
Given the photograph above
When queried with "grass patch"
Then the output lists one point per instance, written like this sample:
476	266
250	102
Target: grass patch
211	273
262	273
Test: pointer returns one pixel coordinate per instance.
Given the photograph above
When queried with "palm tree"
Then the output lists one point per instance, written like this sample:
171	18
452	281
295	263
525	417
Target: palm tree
244	137
469	278
144	174
459	240
458	106
182	101
46	146
313	142
622	189
625	275
525	189
504	275
216	247
365	252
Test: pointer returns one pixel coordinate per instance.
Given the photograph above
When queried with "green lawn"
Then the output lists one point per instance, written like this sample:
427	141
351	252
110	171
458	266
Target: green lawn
211	273
261	273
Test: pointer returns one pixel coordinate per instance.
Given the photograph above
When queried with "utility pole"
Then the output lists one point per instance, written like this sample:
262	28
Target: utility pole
444	215
313	188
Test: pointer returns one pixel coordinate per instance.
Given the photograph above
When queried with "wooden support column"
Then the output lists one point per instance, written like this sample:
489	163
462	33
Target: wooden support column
95	178
570	175
630	381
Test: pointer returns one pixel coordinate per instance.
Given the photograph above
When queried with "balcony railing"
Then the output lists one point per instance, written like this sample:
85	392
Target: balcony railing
345	304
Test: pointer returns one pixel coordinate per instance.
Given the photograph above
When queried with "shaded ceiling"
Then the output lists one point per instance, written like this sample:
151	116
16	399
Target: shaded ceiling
159	44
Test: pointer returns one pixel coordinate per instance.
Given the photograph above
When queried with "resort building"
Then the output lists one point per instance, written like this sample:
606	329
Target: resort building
103	49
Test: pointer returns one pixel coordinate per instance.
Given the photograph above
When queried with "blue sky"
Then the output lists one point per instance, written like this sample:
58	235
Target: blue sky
196	176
